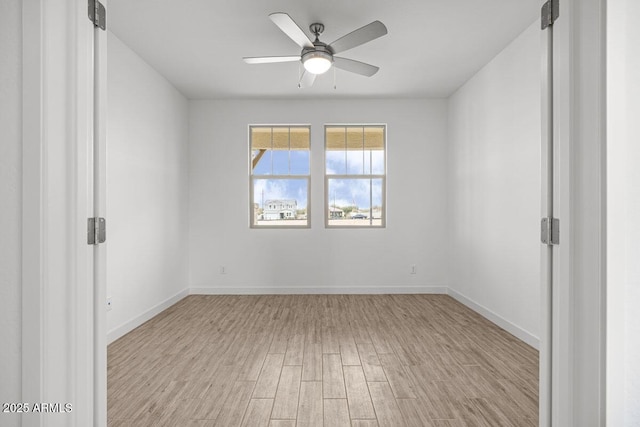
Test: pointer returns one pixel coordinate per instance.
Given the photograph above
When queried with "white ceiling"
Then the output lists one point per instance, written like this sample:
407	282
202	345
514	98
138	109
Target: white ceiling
433	46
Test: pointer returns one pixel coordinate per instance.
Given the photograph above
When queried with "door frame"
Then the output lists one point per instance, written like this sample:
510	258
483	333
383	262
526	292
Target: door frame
58	267
58	334
578	342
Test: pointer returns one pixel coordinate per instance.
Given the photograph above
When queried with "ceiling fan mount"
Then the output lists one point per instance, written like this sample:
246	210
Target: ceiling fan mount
316	29
318	57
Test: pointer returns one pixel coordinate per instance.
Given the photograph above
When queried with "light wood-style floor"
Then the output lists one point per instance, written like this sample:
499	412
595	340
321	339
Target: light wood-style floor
337	360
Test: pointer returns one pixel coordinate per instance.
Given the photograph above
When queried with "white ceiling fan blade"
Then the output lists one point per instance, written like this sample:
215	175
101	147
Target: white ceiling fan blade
290	28
355	66
307	79
360	36
270	59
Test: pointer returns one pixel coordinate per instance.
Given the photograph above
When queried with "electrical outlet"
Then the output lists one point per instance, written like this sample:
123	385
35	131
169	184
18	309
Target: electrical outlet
412	269
109	303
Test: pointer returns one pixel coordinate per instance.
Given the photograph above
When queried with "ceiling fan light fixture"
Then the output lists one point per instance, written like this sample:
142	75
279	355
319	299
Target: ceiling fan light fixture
317	62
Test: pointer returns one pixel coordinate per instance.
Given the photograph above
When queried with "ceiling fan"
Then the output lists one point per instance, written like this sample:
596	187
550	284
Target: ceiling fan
318	57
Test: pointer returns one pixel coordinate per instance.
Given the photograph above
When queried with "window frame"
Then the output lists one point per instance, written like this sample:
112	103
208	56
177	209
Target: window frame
346	176
304	177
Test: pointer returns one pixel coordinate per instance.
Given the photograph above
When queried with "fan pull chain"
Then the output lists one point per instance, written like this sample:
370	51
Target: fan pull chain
300	75
334	78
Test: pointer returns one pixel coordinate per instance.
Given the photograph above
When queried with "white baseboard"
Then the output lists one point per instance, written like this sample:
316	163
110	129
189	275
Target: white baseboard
323	290
129	326
513	329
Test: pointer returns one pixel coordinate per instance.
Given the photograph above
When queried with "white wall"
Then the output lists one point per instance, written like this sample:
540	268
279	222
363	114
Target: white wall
322	260
494	187
623	214
10	203
147	196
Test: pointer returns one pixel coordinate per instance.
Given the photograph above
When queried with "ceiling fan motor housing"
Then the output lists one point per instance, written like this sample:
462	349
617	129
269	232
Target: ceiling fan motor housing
319	50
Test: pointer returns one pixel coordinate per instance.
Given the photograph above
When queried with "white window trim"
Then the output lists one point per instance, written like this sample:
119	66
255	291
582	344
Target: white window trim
307	177
327	177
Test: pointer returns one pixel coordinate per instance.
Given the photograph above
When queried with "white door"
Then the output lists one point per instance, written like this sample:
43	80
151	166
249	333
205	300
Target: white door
573	342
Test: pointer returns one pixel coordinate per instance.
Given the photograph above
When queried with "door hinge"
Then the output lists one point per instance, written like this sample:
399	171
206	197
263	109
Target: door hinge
98	14
96	231
550	12
550	231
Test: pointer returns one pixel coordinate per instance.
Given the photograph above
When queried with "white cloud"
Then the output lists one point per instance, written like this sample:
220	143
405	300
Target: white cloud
348	192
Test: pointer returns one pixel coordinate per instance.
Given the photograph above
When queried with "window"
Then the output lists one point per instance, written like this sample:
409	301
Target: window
355	175
279	165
